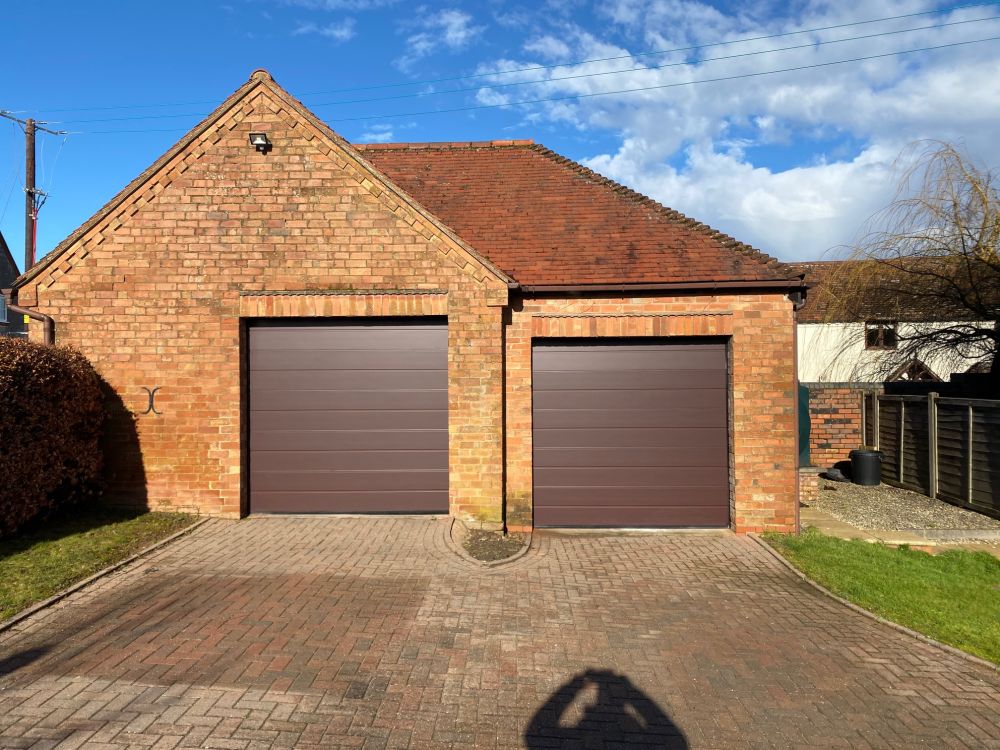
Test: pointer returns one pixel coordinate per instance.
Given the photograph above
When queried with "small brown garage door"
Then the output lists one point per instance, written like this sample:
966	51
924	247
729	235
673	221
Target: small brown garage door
630	434
349	418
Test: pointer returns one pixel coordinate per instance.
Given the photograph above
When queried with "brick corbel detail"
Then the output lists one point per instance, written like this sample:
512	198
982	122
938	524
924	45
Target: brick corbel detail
595	324
342	304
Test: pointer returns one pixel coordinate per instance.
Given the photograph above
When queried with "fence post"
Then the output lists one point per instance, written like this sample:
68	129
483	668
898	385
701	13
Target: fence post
864	420
968	458
902	438
932	443
875	419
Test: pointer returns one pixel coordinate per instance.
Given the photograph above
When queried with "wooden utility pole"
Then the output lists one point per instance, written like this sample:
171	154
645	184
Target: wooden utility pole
33	197
30	199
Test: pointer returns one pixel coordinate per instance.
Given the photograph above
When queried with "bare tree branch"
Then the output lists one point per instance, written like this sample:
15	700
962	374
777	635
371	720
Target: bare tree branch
932	258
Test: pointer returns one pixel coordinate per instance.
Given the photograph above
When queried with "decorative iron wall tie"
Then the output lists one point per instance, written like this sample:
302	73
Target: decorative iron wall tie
151	407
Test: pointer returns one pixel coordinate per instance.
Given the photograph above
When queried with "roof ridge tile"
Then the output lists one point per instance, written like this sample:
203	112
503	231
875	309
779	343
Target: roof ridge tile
443	145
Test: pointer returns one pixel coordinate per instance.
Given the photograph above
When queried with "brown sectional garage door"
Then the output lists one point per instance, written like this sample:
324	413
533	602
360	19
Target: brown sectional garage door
630	434
349	418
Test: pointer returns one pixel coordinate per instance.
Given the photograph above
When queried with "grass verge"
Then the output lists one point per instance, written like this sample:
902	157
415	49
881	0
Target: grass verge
46	559
953	597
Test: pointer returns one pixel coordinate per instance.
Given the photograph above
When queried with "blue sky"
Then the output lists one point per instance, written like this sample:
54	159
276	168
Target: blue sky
791	162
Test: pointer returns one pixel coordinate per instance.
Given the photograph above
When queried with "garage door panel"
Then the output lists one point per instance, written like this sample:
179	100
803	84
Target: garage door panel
627	516
375	337
634	476
627	457
349	416
349	380
630	434
631	418
619	359
343	460
347	502
292	400
345	481
662	398
336	360
375	419
653	437
640	497
568	380
345	440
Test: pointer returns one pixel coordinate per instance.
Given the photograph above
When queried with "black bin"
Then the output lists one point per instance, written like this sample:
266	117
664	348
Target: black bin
866	467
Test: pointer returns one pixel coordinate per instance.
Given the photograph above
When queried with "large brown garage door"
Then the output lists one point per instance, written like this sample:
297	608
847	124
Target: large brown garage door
630	434
349	418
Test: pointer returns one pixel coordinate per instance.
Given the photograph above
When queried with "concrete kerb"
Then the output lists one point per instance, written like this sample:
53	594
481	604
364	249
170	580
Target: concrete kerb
959	535
871	615
46	603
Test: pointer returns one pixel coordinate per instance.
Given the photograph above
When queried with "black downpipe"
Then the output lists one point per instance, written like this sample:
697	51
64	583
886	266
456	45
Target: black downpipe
49	325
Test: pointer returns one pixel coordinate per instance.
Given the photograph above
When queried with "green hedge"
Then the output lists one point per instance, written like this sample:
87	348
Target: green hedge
51	415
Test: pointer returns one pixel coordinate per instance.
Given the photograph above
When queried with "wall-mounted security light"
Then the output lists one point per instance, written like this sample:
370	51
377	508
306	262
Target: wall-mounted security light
260	142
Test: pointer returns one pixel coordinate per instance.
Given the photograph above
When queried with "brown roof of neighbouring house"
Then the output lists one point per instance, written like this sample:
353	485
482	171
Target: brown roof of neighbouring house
846	291
8	266
546	220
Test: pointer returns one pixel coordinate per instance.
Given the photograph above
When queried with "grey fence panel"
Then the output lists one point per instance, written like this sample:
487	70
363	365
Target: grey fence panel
888	439
916	462
986	461
953	441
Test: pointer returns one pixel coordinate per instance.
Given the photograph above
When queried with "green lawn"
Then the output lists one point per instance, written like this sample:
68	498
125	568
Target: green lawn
953	597
39	562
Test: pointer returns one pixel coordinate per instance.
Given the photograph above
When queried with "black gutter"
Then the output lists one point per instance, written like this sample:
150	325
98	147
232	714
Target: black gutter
683	286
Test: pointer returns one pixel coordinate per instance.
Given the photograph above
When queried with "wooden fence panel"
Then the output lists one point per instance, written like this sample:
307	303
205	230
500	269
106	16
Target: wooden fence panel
986	461
888	439
953	441
905	436
914	451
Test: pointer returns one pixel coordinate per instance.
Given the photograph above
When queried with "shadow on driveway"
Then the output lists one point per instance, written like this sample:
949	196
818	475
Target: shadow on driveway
598	709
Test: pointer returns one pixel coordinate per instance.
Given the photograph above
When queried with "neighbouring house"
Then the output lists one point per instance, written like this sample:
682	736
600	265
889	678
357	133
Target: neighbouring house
847	350
486	329
10	324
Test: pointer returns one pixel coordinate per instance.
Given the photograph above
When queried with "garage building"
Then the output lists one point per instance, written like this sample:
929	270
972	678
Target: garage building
483	329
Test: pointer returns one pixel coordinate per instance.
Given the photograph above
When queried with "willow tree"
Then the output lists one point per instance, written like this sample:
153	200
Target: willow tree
933	257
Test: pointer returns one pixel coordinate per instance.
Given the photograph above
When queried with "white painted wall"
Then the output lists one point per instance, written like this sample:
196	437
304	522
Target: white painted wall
835	353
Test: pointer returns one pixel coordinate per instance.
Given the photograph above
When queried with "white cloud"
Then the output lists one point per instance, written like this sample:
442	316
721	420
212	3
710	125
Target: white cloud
450	29
548	47
341	31
377	134
781	212
694	147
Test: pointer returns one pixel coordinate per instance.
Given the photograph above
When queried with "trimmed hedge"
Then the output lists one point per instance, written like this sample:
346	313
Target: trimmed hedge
51	415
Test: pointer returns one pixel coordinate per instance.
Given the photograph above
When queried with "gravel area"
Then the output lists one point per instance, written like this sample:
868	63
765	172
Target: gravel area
890	508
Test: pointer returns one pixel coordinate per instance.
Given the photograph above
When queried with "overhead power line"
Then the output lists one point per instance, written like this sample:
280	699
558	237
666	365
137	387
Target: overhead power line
571	97
480	87
38	124
480	75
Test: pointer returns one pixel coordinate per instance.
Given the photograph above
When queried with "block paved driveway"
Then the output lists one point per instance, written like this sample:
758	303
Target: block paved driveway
371	633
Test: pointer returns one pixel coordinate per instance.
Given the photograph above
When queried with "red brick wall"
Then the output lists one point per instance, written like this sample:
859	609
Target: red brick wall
762	411
808	485
154	295
834	422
